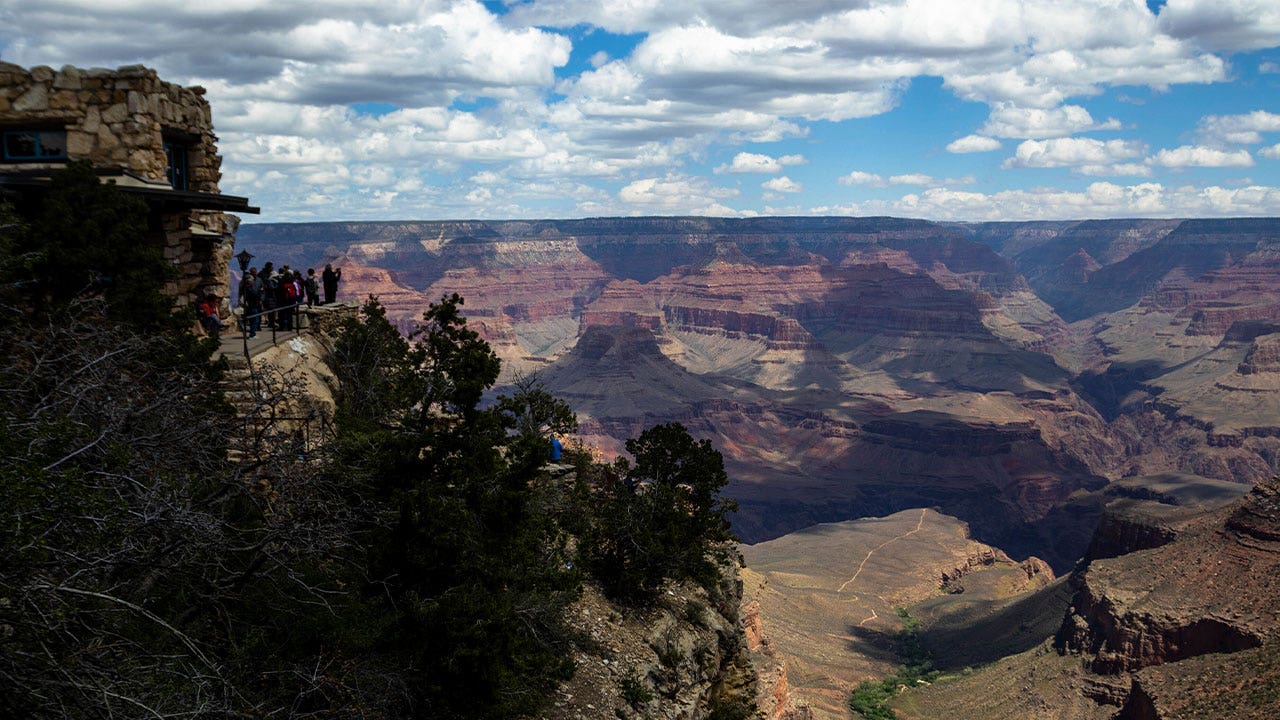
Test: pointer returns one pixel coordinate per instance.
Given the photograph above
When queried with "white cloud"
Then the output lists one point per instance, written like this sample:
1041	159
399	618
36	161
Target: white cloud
1223	24
480	195
911	179
1268	67
1243	129
782	184
858	177
675	195
1271	153
408	54
476	102
1116	170
1199	156
973	144
745	162
1009	121
1066	152
1098	200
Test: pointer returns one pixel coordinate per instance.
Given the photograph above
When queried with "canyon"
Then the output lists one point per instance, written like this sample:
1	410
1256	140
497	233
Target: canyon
853	367
1037	439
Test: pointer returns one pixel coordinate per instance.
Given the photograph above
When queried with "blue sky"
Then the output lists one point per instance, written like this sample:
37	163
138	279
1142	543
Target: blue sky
450	109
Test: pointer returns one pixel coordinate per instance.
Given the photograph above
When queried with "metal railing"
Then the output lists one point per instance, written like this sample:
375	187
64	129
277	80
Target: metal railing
294	317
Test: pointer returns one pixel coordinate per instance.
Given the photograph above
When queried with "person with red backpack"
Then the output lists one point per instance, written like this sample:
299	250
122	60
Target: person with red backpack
288	299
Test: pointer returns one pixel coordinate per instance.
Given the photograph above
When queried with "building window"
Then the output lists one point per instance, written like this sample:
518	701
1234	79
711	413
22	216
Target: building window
176	157
35	144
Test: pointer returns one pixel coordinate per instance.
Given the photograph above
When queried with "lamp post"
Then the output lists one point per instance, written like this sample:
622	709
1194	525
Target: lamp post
243	257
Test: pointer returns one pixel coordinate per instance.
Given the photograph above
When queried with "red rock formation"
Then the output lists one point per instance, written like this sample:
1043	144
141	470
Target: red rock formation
1263	356
1211	590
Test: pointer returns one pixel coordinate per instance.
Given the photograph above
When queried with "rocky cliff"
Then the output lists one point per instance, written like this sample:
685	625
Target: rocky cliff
1175	618
685	658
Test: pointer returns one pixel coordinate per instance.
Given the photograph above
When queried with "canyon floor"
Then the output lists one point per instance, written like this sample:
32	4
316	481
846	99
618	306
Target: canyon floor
827	600
1171	615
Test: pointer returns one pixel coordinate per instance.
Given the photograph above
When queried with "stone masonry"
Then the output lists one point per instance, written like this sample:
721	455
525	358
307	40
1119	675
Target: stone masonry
119	120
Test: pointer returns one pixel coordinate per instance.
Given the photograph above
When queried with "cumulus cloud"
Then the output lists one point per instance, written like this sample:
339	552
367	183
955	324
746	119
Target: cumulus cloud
973	144
858	177
1116	170
1271	153
1243	129
294	50
1223	24
745	162
782	184
1200	156
1098	200
676	194
462	91
911	179
1010	121
1066	152
823	60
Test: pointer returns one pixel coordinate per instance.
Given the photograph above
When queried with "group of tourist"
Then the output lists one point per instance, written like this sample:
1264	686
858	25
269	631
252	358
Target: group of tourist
277	294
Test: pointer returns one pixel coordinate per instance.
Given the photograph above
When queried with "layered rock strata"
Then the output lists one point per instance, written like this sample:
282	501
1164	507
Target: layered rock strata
1213	589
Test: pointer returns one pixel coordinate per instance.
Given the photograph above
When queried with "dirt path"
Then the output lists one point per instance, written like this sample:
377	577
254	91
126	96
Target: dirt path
872	551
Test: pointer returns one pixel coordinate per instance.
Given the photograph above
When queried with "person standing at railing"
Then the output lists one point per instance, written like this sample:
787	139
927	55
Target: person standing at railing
330	278
286	296
299	297
270	285
251	301
312	285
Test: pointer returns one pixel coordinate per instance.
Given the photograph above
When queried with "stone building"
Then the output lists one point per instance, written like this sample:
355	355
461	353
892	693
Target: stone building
151	138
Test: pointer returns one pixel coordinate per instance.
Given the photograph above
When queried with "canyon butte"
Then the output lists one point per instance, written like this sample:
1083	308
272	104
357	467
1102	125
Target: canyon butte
1054	421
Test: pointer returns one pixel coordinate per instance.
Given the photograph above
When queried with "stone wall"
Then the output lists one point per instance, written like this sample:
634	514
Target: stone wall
121	119
115	118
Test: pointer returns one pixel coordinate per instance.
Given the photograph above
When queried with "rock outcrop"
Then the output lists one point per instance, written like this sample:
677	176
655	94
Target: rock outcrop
1210	590
1148	512
1183	625
1241	686
678	660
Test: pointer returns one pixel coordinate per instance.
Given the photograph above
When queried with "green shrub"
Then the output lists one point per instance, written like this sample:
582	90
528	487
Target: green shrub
695	613
634	691
870	700
669	653
661	518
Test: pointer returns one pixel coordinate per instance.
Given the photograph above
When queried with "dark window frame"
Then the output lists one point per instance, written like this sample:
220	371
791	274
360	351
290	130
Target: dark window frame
39	137
177	164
